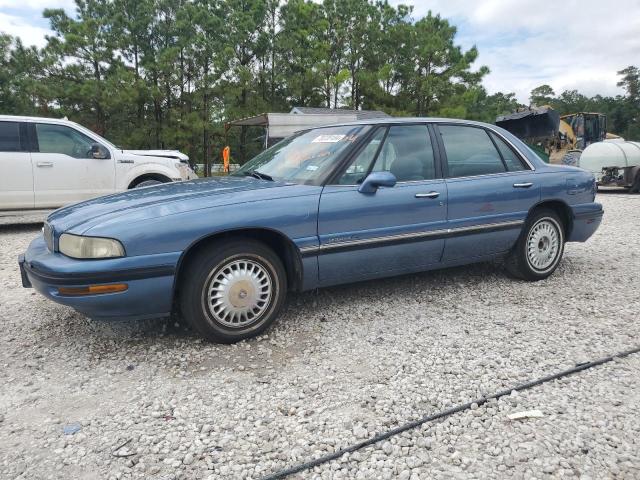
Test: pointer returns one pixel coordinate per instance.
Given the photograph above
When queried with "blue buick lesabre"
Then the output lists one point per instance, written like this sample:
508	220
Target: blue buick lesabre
329	205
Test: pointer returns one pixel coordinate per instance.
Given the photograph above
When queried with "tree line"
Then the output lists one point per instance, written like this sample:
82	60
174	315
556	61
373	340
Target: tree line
623	111
169	73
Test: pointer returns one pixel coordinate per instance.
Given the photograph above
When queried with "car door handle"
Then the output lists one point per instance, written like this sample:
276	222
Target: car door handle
522	185
428	195
45	164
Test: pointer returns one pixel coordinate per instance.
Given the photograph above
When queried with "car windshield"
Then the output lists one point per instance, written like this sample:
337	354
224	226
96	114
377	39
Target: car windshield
305	158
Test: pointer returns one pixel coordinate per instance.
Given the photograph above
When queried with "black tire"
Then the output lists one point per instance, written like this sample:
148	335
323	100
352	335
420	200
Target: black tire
519	263
635	188
571	158
201	274
147	183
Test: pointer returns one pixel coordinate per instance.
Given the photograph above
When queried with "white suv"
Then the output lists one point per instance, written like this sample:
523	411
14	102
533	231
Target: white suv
47	163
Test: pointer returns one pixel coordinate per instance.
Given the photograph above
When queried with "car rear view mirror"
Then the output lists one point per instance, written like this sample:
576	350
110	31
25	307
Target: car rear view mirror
375	180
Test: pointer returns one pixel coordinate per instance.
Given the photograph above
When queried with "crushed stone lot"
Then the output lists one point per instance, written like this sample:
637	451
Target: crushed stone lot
88	400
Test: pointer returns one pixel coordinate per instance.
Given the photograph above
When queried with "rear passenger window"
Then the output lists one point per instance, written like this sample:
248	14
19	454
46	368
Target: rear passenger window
470	151
511	160
10	137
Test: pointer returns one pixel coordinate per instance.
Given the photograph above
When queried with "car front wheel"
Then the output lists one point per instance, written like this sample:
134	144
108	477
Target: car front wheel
539	248
232	290
148	183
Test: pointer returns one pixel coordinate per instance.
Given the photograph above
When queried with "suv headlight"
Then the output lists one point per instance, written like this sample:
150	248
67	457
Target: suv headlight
76	246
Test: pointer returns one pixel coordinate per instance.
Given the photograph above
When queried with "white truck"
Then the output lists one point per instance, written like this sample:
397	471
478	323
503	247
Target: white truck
46	163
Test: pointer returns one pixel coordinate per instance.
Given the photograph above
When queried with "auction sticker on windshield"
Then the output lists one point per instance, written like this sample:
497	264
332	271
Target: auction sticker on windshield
328	138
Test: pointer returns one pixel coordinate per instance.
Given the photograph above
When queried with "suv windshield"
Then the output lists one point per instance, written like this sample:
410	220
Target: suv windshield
305	158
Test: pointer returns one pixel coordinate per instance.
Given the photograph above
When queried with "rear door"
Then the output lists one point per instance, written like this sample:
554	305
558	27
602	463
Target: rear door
16	176
491	190
394	230
64	169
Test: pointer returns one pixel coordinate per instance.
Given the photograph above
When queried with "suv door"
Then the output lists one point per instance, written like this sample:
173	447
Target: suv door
65	168
491	190
395	229
16	181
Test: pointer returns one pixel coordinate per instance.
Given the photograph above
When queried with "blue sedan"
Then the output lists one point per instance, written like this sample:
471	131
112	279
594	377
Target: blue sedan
330	205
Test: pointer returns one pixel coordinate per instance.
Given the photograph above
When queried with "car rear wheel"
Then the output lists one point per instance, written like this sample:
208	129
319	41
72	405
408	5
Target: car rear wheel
232	290
539	248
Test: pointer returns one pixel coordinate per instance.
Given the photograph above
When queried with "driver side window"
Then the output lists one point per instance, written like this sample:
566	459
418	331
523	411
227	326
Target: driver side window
64	140
406	152
359	168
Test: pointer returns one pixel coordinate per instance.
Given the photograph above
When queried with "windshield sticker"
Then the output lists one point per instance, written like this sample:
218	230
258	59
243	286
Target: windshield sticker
328	138
312	168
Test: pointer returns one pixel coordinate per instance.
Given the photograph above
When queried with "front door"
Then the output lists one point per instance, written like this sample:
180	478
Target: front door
491	191
64	168
16	180
394	230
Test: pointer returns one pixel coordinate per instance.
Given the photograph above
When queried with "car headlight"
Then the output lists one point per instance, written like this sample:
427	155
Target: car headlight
184	170
76	246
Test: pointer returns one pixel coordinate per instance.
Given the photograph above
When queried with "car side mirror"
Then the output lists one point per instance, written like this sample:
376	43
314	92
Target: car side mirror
377	179
99	152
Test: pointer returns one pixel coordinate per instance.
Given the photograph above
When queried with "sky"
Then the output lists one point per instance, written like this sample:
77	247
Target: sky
568	44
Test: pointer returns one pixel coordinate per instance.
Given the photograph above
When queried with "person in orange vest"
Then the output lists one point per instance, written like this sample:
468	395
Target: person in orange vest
226	153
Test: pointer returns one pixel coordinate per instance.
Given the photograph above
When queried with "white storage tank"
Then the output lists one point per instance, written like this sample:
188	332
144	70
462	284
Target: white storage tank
610	153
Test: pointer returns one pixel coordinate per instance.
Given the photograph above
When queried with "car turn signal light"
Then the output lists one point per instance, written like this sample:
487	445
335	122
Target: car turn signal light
93	289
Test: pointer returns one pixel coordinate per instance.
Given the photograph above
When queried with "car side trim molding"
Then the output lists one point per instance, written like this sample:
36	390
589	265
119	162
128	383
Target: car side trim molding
389	240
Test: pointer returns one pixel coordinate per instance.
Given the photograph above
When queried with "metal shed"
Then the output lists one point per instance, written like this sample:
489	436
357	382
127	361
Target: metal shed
282	125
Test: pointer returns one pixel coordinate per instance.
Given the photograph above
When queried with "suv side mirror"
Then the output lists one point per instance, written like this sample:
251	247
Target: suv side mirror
99	152
377	179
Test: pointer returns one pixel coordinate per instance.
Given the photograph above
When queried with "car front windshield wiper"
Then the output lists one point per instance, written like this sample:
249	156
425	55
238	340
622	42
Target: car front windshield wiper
257	174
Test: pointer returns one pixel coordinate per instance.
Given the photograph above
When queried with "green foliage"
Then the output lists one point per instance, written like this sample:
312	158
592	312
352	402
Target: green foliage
631	83
541	95
169	73
20	67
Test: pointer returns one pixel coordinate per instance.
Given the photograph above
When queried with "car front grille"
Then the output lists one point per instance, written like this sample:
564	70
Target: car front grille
47	232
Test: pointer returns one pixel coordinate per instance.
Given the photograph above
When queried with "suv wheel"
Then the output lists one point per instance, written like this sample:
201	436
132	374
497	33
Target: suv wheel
232	290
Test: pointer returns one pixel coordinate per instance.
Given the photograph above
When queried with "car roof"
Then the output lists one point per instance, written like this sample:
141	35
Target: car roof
371	121
400	120
23	118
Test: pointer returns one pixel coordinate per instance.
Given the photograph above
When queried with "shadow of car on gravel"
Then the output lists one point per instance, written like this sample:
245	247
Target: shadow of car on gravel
302	309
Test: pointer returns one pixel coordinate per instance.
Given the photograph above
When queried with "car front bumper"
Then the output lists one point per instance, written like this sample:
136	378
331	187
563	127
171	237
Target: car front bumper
149	280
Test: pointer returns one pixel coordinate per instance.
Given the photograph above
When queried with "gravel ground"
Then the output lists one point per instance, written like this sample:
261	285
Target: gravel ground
339	366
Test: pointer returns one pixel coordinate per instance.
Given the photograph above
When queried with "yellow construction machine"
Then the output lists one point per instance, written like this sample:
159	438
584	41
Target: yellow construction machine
555	138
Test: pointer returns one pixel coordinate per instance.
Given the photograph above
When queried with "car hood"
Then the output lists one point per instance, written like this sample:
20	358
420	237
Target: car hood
168	199
174	154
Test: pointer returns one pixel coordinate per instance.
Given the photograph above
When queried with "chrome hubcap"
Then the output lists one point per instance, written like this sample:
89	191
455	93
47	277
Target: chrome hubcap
543	245
238	293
